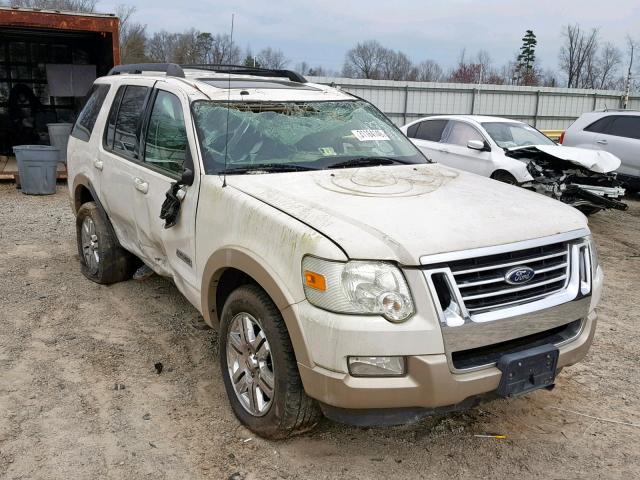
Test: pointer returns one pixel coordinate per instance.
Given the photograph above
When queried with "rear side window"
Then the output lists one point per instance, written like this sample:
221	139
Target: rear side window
431	130
123	128
625	126
89	113
411	131
599	126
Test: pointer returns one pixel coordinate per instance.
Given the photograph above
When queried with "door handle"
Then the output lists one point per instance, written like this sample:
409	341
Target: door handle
444	150
601	142
98	164
141	185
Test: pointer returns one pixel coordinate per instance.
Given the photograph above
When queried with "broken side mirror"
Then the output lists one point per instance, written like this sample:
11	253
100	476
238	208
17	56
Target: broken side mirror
477	145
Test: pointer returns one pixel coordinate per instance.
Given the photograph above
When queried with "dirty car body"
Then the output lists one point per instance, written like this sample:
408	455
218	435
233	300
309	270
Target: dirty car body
517	153
346	273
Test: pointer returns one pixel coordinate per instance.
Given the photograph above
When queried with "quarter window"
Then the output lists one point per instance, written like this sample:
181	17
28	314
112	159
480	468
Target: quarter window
166	142
89	114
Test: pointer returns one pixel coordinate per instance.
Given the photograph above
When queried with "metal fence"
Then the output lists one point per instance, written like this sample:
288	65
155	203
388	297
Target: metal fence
543	107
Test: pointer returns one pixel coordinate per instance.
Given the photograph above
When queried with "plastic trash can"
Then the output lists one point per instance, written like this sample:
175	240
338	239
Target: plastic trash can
37	166
59	137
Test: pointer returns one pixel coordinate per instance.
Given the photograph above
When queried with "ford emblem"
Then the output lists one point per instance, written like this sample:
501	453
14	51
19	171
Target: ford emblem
519	275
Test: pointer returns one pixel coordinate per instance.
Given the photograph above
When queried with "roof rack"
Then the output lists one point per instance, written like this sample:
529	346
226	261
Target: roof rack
171	69
607	109
244	70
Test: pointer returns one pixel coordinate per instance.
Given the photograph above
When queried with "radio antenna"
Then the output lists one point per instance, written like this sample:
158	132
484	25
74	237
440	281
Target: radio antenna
226	137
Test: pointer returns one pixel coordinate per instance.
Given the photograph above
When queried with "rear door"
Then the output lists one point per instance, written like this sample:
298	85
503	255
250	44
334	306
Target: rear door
119	154
620	135
458	155
426	135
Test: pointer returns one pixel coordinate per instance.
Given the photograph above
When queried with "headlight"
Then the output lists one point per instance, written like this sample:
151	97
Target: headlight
357	287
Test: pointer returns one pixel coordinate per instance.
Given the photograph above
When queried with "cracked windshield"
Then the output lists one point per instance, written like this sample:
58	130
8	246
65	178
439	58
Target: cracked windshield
296	136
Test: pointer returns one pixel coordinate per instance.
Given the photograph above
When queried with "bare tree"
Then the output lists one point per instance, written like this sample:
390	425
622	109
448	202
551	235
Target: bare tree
161	46
187	49
218	49
86	6
271	58
577	53
632	47
429	71
396	66
132	36
364	60
608	64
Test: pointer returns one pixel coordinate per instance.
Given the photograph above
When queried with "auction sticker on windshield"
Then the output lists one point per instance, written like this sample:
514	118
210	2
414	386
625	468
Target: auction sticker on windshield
370	135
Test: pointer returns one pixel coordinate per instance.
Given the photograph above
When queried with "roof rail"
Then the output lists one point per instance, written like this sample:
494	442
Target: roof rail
171	69
607	109
244	70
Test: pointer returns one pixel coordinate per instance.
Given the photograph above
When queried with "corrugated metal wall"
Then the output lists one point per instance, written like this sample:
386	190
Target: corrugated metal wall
544	107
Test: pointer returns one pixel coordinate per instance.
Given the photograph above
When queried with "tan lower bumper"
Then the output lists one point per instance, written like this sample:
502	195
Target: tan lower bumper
429	382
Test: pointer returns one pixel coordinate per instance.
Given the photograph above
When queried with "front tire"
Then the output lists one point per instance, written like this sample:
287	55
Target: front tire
259	367
504	177
103	260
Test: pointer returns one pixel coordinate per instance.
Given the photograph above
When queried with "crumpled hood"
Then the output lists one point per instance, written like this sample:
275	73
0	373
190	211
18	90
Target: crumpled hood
597	161
404	212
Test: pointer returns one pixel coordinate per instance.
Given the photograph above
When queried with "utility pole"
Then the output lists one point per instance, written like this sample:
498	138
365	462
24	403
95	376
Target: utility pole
625	102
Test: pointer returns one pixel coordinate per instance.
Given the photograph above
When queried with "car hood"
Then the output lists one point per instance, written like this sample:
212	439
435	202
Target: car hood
597	161
403	212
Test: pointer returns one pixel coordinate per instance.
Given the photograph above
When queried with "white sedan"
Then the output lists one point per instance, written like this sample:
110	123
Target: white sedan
516	153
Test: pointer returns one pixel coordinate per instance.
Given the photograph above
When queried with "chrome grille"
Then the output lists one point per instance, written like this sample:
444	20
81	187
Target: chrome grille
481	280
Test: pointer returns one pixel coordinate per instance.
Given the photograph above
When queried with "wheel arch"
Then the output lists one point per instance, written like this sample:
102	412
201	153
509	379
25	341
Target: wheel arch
84	192
229	268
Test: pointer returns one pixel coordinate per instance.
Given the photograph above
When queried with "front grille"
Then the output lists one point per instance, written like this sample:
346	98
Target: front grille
482	283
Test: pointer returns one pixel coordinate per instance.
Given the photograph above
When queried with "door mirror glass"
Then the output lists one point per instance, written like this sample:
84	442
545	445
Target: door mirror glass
476	145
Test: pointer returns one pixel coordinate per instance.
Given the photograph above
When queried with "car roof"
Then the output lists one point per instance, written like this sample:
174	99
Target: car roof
471	118
206	84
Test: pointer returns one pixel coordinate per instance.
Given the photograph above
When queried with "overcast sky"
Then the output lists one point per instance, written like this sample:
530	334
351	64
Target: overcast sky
321	32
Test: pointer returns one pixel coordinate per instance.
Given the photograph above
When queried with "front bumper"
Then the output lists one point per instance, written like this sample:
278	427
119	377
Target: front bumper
429	382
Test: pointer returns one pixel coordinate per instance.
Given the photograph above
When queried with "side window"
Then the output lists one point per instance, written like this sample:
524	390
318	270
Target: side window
431	130
166	141
411	131
460	134
126	137
89	113
110	130
599	126
625	126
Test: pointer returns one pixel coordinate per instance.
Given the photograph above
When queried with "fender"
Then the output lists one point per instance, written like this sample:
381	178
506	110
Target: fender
241	260
82	181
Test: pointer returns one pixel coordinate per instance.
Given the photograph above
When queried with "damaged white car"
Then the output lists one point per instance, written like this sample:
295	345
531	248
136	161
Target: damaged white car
516	153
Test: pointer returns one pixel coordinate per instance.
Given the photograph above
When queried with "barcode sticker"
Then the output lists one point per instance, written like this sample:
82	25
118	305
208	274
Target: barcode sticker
370	135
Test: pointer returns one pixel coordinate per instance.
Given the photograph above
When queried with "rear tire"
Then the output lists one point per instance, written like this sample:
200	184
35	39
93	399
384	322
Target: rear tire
103	260
259	367
504	177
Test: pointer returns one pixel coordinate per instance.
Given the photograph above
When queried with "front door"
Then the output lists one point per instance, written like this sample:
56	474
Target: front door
459	155
169	251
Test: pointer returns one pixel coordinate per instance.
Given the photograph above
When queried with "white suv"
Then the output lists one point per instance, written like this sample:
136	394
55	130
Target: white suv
614	131
345	272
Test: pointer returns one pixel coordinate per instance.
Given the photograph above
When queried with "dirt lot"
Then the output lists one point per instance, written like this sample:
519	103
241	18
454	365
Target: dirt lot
66	342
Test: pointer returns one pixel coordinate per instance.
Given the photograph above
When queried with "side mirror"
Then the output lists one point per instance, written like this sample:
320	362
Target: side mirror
477	145
188	176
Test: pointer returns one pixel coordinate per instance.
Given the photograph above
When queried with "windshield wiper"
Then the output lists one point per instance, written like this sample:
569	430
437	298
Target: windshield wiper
269	168
368	162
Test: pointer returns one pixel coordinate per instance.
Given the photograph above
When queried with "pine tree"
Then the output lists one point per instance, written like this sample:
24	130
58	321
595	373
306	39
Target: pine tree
526	59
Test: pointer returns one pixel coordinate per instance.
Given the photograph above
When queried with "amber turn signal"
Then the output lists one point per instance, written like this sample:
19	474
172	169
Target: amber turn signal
315	280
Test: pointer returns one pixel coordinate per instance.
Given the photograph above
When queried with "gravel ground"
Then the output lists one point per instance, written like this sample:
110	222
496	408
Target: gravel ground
66	342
